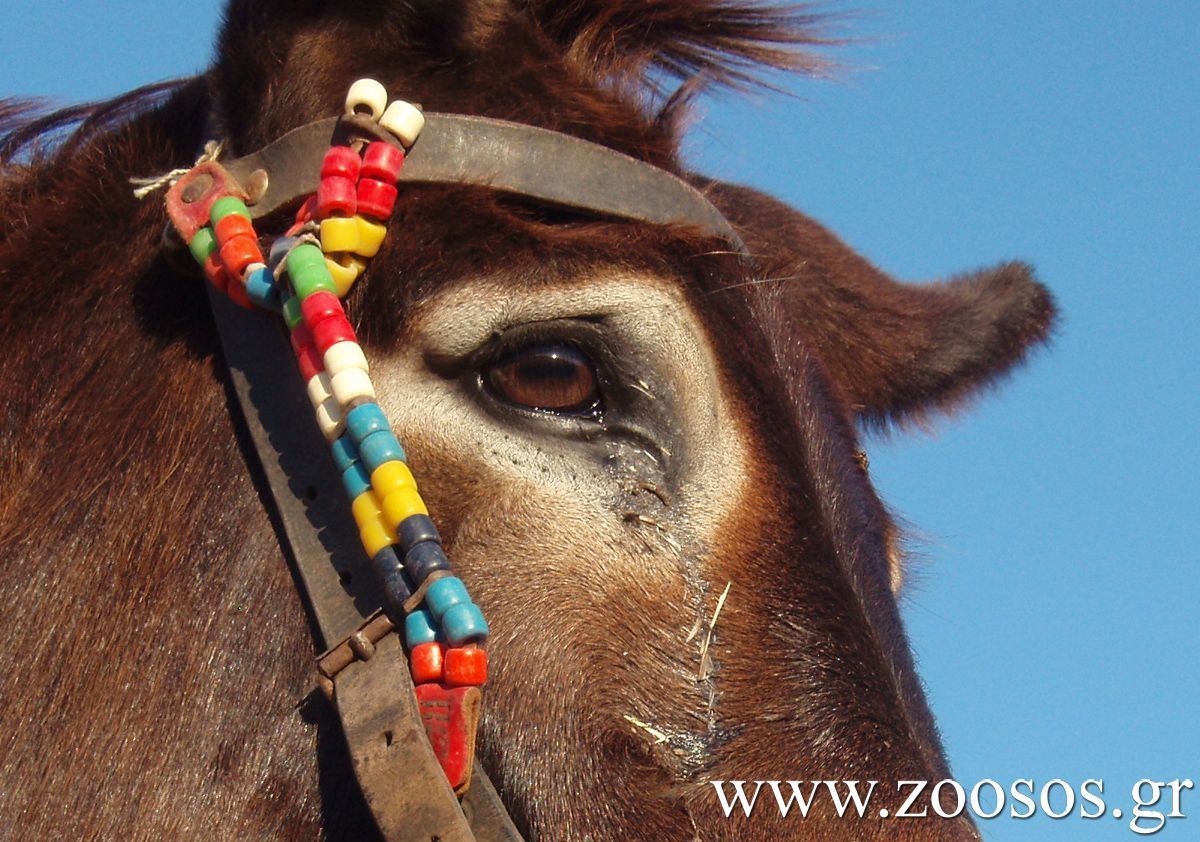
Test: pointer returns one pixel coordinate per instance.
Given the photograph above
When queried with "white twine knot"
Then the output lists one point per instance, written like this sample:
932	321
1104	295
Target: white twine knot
148	184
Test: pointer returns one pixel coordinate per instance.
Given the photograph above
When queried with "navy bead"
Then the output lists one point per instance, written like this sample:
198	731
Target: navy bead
364	420
391	577
423	559
345	453
464	623
444	594
356	480
419	627
279	250
378	448
416	529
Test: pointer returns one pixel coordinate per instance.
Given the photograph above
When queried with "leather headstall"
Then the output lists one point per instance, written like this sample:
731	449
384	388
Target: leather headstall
364	668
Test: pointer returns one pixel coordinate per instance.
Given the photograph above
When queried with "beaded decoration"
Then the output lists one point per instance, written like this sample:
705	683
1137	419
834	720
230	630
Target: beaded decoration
304	277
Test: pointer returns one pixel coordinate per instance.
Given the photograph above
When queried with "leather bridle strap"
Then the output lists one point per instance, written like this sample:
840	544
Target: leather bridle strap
548	167
393	761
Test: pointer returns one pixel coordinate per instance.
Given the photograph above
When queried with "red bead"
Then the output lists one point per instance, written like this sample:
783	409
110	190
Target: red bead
216	272
427	662
319	306
382	161
336	195
466	666
330	332
305	212
376	198
231	227
310	360
239	253
341	162
237	294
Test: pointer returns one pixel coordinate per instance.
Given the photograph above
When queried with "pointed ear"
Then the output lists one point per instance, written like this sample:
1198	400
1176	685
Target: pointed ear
897	350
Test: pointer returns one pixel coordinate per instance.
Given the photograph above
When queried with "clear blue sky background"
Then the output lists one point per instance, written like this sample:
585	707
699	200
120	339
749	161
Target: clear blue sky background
1055	612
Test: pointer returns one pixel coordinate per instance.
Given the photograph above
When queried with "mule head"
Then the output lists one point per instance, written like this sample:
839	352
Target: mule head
622	429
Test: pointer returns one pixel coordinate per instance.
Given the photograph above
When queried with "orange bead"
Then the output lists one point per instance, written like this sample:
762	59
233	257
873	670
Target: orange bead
239	253
427	662
237	294
233	226
466	666
215	271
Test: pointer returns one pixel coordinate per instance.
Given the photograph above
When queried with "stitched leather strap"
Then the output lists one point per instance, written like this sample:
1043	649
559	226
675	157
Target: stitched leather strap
395	766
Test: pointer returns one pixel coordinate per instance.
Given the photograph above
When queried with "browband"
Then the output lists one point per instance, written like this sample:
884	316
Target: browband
547	166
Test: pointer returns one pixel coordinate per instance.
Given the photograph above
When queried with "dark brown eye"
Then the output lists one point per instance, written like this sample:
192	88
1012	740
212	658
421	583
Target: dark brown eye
554	378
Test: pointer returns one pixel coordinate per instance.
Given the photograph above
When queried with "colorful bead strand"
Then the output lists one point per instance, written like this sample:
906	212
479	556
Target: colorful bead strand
307	273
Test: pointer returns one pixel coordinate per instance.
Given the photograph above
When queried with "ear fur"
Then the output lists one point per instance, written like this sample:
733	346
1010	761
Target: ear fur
897	350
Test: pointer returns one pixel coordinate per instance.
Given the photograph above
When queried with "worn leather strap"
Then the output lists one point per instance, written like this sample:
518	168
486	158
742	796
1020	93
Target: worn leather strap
399	774
547	166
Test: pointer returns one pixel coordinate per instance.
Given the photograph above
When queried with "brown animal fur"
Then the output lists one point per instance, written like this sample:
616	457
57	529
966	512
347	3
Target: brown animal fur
159	677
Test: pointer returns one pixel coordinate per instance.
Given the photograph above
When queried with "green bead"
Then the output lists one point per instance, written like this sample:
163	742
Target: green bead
203	245
292	313
225	206
305	254
310	278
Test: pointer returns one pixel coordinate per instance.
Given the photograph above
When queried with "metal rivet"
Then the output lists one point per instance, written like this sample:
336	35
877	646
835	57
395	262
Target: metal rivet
198	188
256	186
362	646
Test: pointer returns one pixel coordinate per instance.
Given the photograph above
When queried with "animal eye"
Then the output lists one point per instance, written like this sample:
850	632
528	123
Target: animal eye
551	378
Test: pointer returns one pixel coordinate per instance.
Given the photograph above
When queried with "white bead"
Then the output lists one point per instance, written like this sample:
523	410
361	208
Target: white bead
330	420
319	389
404	120
367	96
345	355
352	384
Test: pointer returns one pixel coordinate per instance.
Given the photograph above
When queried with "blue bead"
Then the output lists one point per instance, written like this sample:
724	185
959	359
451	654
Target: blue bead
261	289
379	447
419	627
279	250
445	593
391	578
464	623
364	420
356	480
345	453
416	529
424	558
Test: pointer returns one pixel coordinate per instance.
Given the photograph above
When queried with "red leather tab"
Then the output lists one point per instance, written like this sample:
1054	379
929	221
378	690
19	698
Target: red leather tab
190	200
451	715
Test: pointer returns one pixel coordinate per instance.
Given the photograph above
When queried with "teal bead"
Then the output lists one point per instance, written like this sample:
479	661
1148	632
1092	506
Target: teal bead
356	480
345	453
203	245
380	447
227	205
444	594
464	623
261	289
419	627
365	419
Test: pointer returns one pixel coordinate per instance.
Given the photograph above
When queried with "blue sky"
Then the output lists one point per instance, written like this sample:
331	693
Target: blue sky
1054	608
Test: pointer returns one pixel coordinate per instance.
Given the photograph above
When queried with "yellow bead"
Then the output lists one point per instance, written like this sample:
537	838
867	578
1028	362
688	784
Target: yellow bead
402	504
391	476
373	528
376	536
345	271
370	236
340	233
365	507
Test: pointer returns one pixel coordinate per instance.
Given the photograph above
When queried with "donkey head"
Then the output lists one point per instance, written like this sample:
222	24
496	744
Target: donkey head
621	427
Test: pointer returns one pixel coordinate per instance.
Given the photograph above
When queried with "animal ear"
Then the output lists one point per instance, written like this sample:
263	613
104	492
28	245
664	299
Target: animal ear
897	350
